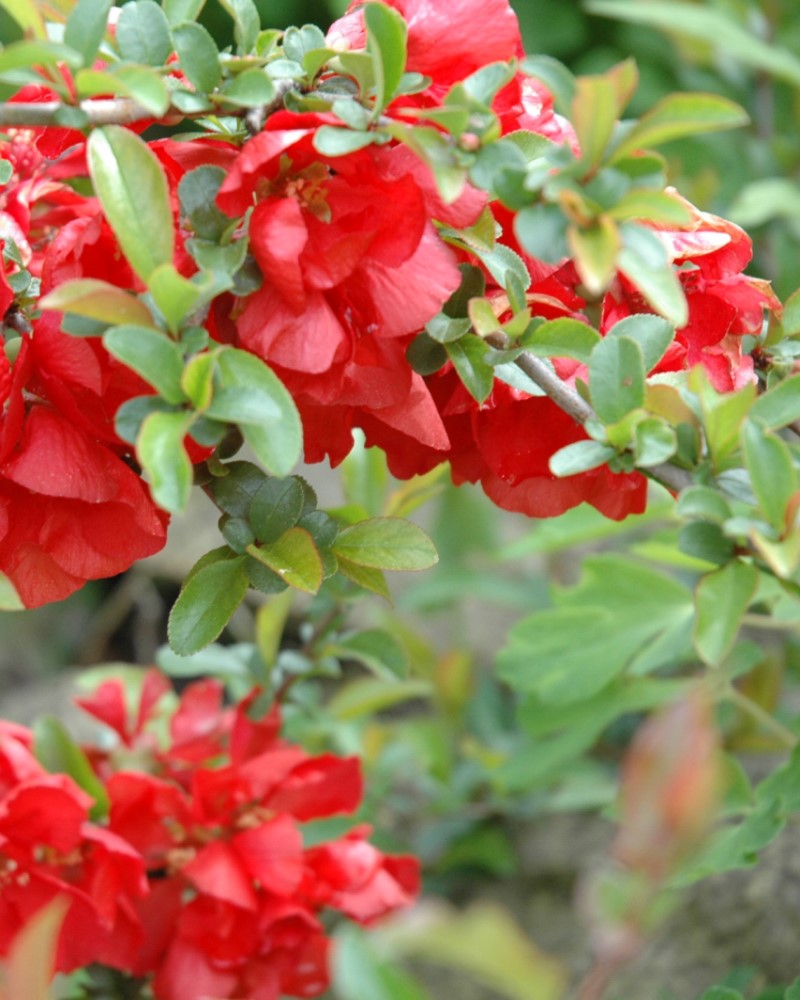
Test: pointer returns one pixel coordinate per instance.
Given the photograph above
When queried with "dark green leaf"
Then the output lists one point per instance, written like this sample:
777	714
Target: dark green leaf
706	541
150	354
197	192
386	543
143	34
425	355
276	507
205	604
722	599
145	86
542	231
234	492
198	54
469	359
704	503
161	453
86	26
133	192
616	378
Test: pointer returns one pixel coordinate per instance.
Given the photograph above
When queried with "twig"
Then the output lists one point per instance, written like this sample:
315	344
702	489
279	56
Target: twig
126	111
785	736
566	399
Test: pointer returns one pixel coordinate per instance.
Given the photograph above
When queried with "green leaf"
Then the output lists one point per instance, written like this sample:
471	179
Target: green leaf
542	231
622	613
485	943
556	77
653	334
643	260
246	23
595	250
386	543
250	89
198	54
175	296
370	579
709	25
377	649
616	378
86	27
234	492
330	140
60	754
679	115
9	598
161	453
271	424
594	113
294	558
772	472
705	541
178	11
98	300
150	354
205	604
145	86
360	974
722	599
469	359
580	457
654	442
21	55
563	338
133	191
780	405
704	503
371	695
143	34
655	206
276	506
27	16
386	43
197	192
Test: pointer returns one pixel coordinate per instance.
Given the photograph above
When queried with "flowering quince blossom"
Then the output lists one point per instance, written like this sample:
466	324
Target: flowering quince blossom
214	818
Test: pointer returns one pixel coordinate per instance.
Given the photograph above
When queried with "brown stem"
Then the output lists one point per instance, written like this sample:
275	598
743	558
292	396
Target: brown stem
126	111
566	399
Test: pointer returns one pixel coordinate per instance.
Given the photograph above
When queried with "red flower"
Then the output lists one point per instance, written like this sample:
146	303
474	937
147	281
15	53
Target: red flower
352	270
48	850
70	509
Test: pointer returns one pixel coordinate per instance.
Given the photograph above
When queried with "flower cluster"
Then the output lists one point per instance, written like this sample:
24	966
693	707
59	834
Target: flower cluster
198	877
354	255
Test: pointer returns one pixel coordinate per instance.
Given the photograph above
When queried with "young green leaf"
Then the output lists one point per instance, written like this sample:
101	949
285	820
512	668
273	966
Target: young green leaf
594	112
386	43
643	260
563	338
595	250
60	754
205	604
294	558
150	354
469	359
377	649
250	394
97	300
386	543
580	457
132	188
246	23
161	453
